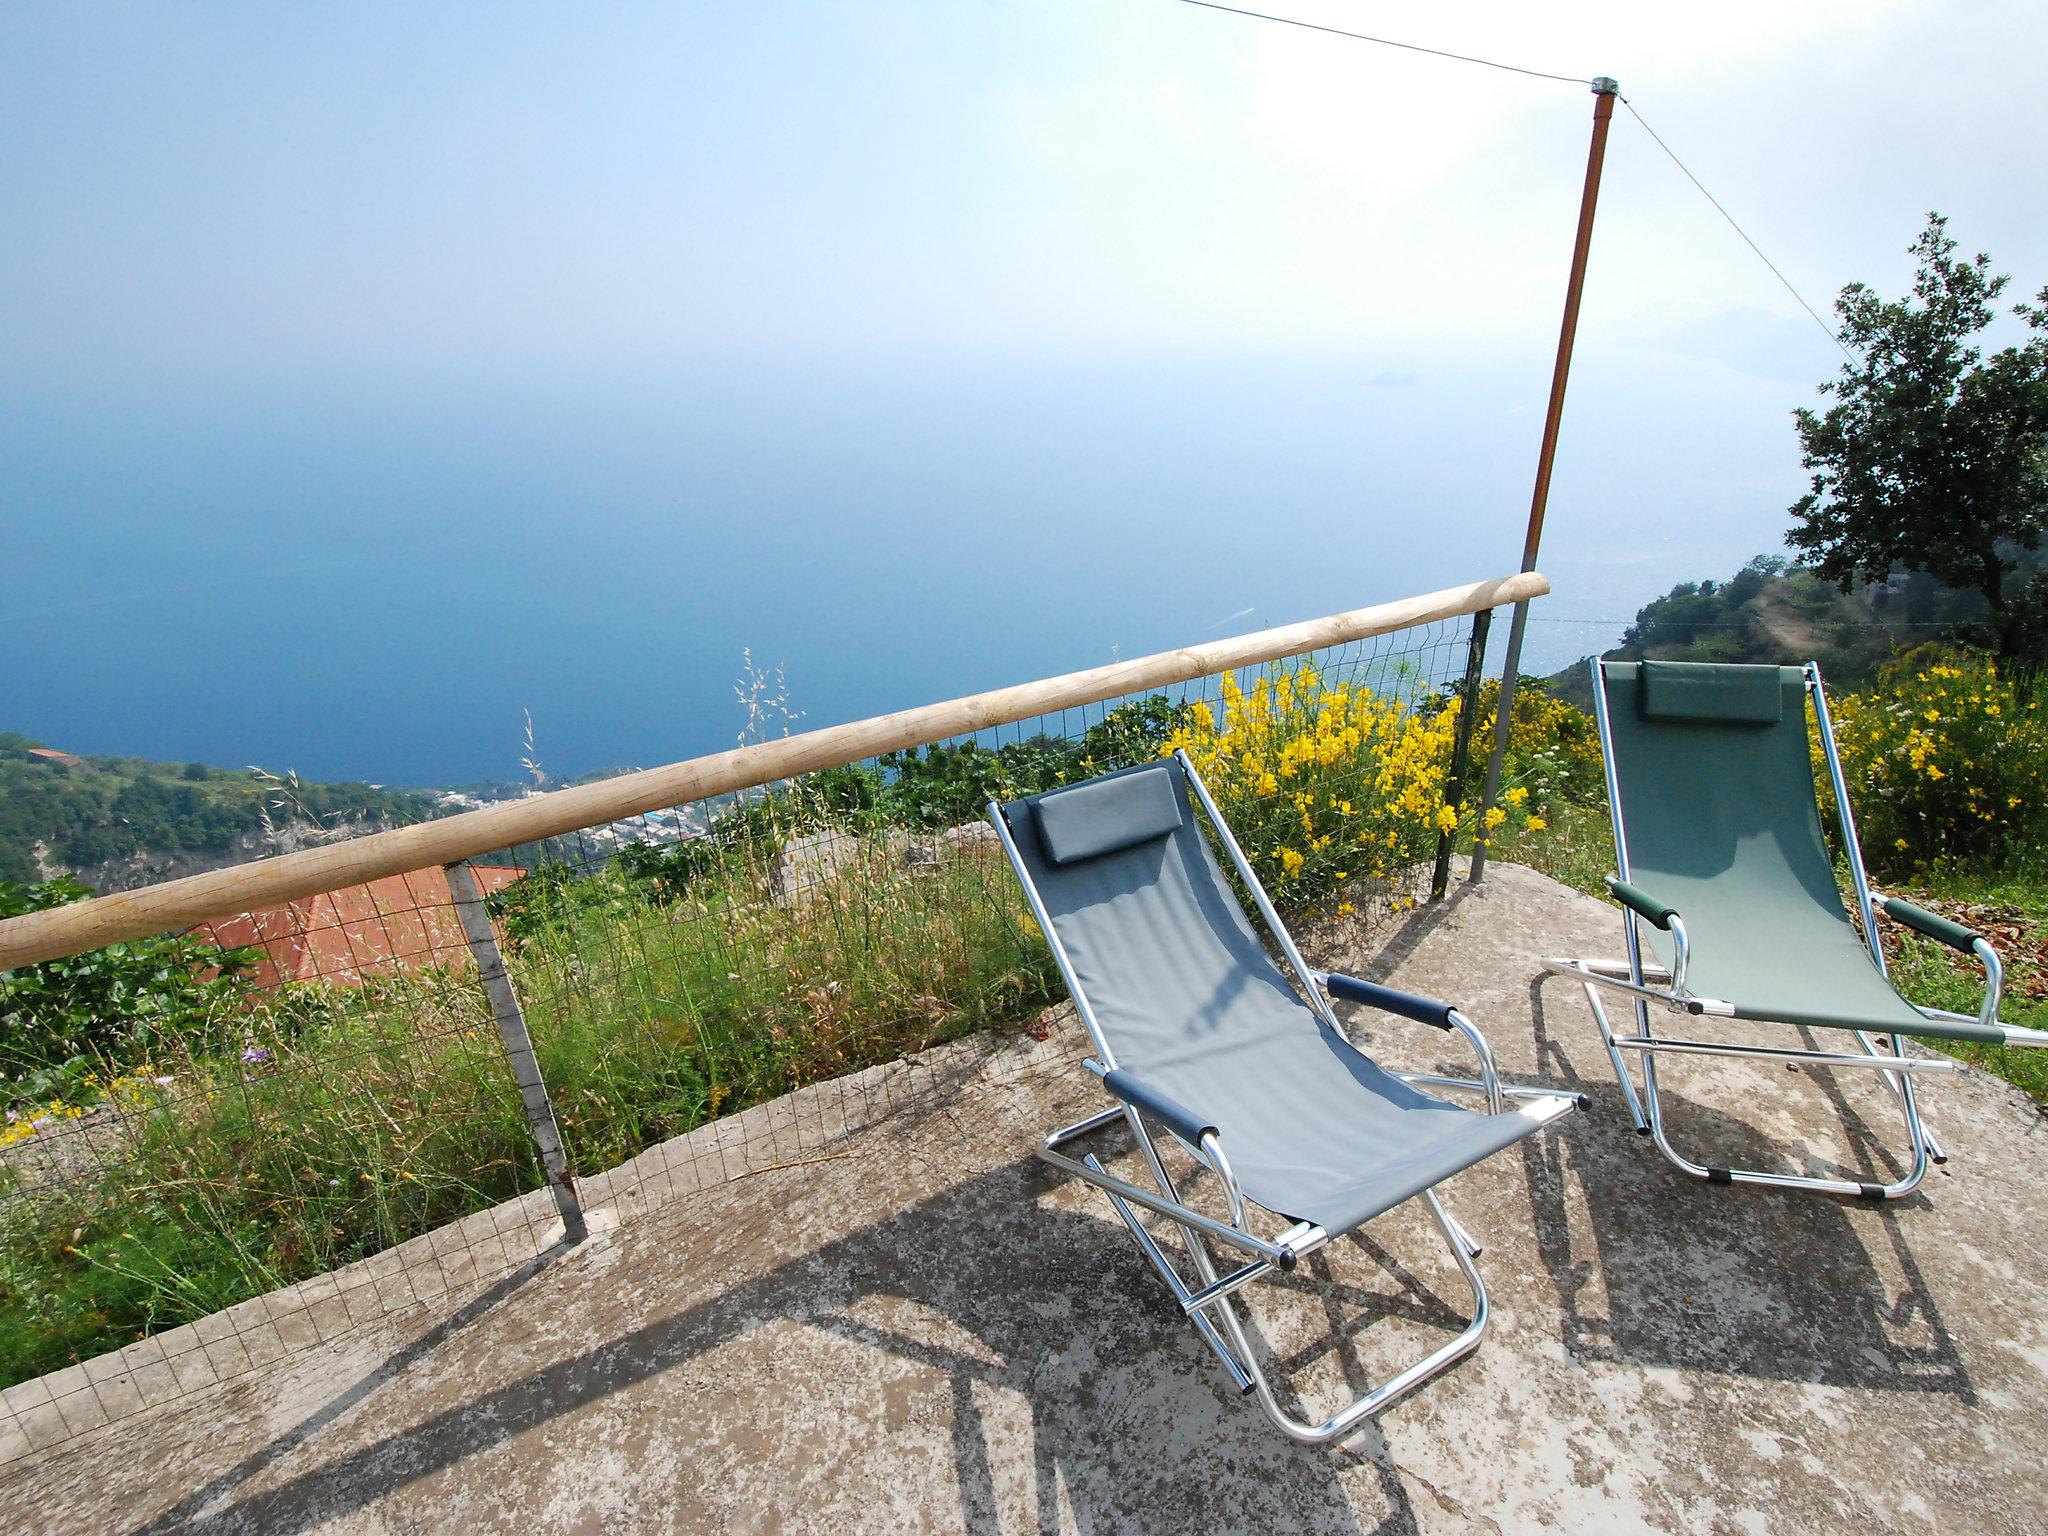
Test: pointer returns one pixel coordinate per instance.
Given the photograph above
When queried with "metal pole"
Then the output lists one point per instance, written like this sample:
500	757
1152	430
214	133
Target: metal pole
1461	745
1604	92
540	1109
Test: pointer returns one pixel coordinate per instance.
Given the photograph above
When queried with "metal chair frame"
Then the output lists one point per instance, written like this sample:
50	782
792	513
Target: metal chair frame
1207	1296
1647	984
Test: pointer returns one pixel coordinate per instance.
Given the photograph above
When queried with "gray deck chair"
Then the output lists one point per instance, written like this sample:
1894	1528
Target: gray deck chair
1197	1032
1725	878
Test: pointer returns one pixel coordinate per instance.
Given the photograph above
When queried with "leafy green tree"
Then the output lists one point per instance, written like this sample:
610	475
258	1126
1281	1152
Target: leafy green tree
1932	458
851	793
942	786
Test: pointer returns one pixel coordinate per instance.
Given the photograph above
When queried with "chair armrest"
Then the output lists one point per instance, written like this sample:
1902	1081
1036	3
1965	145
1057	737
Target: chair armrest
1954	935
1423	1010
1641	902
1172	1114
1658	915
1489	1078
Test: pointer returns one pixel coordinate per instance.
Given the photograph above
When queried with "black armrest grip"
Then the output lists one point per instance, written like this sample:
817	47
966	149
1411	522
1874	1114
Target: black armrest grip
1955	935
1642	903
1423	1010
1170	1113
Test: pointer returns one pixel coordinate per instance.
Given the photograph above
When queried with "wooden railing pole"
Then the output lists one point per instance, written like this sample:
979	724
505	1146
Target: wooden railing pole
176	904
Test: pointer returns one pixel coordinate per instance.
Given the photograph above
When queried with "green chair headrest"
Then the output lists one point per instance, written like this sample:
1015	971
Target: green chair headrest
1722	692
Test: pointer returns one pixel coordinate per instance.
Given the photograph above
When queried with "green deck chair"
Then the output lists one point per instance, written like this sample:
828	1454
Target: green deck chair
1726	882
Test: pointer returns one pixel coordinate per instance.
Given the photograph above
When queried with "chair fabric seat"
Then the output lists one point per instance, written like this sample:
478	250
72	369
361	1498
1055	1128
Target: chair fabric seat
1190	1003
1315	1130
1788	962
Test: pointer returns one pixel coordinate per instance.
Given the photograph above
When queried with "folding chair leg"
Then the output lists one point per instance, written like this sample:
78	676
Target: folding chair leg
1628	1087
1229	1341
1174	1283
1901	1086
1922	1142
1142	1236
1390	1392
1647	1110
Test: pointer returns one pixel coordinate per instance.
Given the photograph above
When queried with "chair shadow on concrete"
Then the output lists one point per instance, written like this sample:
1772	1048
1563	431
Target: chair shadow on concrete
1129	1418
1723	1278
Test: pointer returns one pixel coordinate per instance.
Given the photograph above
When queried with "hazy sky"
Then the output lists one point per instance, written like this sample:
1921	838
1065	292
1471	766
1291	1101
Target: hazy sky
463	308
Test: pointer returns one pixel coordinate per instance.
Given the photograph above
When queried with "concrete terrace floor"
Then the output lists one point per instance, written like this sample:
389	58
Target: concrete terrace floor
917	1327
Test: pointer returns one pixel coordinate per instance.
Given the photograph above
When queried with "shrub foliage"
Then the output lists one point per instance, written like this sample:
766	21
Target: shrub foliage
1947	765
1325	782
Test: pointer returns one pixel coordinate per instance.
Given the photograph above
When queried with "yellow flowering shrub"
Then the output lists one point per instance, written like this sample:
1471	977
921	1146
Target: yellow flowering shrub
1553	747
1325	781
1946	762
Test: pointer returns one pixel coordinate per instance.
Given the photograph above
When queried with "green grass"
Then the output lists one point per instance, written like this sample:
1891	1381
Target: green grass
651	1020
372	1118
382	1112
1575	846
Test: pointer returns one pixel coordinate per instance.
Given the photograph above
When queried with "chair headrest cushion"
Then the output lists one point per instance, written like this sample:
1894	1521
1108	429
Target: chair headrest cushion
1722	692
1106	815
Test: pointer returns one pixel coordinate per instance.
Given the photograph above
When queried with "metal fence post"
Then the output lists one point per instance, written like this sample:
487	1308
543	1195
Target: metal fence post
540	1109
1461	746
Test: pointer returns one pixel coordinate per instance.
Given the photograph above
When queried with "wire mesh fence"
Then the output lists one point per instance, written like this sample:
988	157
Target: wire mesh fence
234	1143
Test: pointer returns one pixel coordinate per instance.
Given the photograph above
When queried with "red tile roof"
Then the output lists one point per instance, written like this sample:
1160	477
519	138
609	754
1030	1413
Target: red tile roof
398	923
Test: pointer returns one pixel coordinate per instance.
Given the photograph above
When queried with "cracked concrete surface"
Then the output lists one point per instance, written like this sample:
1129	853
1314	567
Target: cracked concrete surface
927	1330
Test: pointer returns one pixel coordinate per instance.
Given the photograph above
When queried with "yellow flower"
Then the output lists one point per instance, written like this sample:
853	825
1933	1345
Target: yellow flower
1537	823
1345	909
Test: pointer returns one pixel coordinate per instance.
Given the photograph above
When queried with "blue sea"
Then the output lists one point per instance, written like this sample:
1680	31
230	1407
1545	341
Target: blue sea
381	578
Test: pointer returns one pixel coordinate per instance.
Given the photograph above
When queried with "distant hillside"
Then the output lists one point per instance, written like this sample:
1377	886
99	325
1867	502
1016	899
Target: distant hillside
1771	611
116	822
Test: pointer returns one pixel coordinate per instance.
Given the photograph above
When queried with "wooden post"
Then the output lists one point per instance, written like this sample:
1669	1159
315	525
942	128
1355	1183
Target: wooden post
1604	92
540	1109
